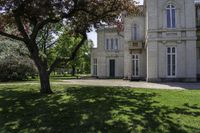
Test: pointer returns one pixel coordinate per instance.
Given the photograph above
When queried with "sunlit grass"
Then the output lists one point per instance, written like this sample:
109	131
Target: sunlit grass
76	109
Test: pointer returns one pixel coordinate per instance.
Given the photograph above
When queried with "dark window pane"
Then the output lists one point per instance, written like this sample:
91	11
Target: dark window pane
168	18
168	50
135	33
133	67
173	59
173	65
169	65
107	44
112	45
137	69
173	50
116	44
173	70
173	18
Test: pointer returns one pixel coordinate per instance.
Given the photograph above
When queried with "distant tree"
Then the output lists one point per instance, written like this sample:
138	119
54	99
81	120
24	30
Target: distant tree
81	63
83	58
35	22
64	47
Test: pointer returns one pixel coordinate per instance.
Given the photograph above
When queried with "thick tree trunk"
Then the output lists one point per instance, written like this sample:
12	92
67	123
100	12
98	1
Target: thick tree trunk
43	73
73	70
44	82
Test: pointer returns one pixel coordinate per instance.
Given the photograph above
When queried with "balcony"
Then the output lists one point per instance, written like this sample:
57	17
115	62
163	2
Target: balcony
136	45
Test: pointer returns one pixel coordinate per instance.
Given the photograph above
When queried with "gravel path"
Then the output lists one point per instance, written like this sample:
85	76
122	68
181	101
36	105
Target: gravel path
118	82
126	83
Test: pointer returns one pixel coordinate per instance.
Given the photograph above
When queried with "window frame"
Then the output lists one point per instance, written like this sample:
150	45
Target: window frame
95	67
107	45
116	44
112	44
136	65
170	55
171	16
134	32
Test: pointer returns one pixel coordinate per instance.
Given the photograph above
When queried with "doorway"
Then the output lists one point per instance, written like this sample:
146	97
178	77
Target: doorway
112	68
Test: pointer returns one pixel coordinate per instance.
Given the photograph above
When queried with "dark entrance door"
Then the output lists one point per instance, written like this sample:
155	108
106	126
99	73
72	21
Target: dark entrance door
112	68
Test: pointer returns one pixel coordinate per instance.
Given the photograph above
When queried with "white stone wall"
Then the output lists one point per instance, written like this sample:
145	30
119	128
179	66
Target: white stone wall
153	31
159	37
140	23
103	55
128	24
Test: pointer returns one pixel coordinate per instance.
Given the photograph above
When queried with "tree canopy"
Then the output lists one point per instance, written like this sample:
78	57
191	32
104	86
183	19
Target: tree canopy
36	23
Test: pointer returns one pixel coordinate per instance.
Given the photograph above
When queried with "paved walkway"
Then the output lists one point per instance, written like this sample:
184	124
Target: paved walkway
126	83
122	83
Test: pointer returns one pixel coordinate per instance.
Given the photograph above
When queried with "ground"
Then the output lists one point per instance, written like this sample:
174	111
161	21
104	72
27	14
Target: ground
127	83
119	83
92	109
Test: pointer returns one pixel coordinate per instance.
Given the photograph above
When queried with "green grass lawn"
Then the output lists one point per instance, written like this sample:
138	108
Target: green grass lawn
36	80
83	109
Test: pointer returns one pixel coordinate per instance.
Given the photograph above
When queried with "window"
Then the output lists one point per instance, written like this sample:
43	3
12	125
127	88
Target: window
116	44
112	44
135	65
95	67
171	61
107	44
134	32
171	16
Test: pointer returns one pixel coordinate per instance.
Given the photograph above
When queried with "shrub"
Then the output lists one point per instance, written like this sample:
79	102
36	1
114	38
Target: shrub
16	68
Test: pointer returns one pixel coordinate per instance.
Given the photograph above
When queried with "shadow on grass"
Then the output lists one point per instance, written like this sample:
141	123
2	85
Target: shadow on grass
89	109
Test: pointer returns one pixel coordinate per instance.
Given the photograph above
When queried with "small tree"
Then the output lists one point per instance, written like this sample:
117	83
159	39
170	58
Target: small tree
27	20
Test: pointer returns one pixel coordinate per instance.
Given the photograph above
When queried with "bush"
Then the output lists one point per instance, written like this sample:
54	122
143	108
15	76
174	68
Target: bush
16	68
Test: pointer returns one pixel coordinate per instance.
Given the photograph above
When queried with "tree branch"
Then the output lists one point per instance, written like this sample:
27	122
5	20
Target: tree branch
11	36
20	26
51	44
40	25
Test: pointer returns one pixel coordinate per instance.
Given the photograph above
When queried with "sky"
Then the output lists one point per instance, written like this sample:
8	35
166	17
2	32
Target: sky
93	35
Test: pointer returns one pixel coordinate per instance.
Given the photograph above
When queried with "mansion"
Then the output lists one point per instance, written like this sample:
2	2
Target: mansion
162	43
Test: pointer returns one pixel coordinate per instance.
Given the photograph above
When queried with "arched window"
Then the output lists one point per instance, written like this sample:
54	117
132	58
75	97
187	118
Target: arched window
171	16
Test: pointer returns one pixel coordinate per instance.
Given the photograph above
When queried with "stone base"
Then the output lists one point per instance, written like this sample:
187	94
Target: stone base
137	79
172	80
103	77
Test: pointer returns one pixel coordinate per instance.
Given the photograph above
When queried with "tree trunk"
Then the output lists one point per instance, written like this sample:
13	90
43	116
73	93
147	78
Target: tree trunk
43	73
73	70
44	82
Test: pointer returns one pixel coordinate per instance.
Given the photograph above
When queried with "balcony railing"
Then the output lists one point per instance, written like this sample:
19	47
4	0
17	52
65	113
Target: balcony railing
136	45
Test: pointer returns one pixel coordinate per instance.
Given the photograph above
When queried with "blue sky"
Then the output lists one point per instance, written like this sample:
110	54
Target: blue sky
93	35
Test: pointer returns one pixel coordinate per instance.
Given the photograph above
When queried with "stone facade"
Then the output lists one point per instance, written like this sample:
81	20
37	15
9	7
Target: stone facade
159	44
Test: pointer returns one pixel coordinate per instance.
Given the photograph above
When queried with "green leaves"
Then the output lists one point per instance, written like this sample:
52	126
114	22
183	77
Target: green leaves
12	48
